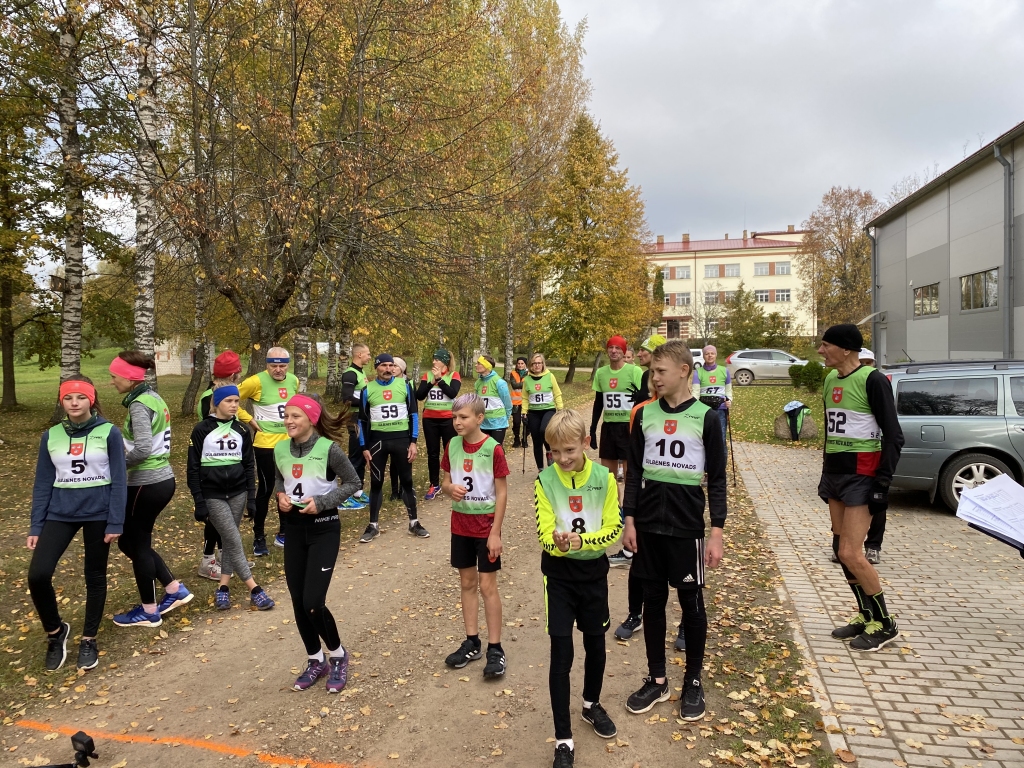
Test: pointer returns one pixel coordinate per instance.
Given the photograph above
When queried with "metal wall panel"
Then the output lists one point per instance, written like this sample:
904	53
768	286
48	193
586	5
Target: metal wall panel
928	223
928	339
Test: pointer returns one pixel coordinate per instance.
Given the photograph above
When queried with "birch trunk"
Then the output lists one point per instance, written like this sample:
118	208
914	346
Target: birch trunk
145	187
484	349
510	316
201	370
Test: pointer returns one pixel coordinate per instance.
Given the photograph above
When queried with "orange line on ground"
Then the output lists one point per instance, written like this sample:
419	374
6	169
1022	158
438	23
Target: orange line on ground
205	744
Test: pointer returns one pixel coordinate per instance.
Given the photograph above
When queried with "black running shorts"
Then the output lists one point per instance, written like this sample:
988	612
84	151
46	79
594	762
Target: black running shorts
852	490
584	603
676	560
613	442
471	552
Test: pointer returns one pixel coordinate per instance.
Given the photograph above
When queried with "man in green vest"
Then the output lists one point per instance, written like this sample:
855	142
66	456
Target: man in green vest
715	385
863	441
353	382
269	390
614	385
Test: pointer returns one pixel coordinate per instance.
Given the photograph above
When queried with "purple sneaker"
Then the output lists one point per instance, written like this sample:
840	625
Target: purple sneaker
314	671
338	675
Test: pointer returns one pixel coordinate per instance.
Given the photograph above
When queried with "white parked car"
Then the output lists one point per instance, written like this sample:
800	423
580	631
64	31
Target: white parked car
745	365
698	357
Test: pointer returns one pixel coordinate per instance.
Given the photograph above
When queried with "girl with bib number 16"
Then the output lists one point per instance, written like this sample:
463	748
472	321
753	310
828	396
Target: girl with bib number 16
308	467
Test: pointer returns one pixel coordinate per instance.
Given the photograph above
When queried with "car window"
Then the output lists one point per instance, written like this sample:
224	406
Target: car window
755	355
972	396
782	356
1017	393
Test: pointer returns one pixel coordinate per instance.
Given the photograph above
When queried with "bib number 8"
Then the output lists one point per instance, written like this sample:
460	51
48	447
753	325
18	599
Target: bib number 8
836	423
579	525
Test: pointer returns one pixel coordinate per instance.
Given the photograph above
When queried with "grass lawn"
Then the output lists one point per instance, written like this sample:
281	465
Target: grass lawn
755	409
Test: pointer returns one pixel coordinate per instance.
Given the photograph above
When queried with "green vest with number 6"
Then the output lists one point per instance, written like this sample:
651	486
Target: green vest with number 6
674	443
475	472
580	510
269	409
388	405
850	427
80	462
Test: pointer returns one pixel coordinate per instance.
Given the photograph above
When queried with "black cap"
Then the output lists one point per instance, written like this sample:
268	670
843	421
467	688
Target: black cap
384	357
845	336
521	357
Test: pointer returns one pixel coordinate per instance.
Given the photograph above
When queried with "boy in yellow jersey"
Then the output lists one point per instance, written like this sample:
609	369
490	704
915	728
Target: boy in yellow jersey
475	478
577	505
269	390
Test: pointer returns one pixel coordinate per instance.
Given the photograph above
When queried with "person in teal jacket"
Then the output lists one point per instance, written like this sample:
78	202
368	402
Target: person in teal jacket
496	396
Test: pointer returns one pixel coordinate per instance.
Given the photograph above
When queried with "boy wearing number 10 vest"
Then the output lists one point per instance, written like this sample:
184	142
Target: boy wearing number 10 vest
673	442
475	473
577	504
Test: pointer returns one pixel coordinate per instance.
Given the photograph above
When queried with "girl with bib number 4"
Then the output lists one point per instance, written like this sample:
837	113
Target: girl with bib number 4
222	479
147	440
80	485
309	465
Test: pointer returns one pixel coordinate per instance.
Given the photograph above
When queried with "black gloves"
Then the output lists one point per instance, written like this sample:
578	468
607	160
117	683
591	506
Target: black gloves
202	514
879	499
250	507
593	439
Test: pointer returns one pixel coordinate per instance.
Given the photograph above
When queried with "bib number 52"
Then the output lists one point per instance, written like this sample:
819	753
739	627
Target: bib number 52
836	423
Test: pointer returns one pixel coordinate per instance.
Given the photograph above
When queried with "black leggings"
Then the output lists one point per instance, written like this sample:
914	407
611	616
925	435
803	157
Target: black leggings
437	433
695	627
558	677
517	421
356	458
211	539
310	552
265	469
397	449
145	503
635	594
53	543
537	421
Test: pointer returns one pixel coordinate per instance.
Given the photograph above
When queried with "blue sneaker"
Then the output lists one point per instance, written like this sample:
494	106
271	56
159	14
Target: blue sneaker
261	601
338	674
170	602
222	600
351	503
314	671
137	617
432	492
362	498
279	540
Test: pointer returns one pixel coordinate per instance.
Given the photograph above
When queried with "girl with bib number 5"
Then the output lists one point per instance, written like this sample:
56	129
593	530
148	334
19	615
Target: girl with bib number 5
79	485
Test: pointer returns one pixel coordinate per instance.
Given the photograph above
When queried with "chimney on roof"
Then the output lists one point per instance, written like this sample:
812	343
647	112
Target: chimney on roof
686	237
661	240
791	228
726	235
744	234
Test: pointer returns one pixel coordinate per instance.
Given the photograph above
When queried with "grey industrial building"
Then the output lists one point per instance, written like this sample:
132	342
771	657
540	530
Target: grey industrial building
945	259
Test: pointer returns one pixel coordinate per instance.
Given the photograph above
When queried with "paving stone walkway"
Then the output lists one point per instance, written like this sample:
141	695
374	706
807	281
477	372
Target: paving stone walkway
950	691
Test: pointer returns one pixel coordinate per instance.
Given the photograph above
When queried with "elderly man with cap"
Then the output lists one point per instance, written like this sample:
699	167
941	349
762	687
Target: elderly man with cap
862	447
269	390
715	385
614	387
438	389
388	429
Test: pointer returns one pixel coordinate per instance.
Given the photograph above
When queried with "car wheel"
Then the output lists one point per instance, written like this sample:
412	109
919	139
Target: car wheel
968	471
743	378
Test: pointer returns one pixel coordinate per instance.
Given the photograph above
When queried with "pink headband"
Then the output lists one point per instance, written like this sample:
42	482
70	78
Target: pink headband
121	367
309	405
82	387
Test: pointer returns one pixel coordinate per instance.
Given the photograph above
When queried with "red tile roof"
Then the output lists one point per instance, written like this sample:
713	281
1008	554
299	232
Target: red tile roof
719	245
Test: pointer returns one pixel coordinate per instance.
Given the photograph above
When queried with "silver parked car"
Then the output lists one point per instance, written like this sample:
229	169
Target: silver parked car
746	365
963	423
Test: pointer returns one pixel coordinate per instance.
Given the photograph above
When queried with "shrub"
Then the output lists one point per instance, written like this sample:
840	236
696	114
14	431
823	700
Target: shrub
813	376
795	373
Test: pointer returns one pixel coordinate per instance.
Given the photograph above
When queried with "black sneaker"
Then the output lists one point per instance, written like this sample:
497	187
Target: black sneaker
691	707
620	559
88	654
875	636
597	717
57	647
650	693
396	495
629	627
565	756
372	532
468	651
495	666
680	639
854	627
416	529
259	547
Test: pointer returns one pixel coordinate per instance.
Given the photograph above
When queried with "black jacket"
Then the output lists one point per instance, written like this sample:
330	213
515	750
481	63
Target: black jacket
669	508
220	482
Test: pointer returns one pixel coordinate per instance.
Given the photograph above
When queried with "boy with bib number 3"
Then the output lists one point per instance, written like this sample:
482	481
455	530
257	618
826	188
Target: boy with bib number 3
475	473
674	441
577	504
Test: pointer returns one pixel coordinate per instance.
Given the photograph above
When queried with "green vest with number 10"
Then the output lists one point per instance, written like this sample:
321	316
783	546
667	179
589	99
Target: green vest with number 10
388	405
850	427
580	510
674	444
475	472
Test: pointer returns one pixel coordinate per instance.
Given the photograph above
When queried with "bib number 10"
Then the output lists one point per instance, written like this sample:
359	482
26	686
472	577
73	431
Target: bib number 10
836	423
676	449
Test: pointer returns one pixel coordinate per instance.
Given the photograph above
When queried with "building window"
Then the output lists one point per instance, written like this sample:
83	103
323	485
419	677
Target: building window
710	270
979	290
730	295
787	324
672	329
666	273
683	299
782	294
926	300
712	324
683	273
711	297
732	270
781	267
760	270
761	296
668	299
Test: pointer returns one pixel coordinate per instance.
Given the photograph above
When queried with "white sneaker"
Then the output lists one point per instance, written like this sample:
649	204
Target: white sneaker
209	568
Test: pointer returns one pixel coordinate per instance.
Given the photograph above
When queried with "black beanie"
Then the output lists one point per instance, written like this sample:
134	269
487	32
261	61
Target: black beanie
844	335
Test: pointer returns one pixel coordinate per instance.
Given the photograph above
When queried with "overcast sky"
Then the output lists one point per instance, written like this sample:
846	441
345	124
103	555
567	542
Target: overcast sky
734	115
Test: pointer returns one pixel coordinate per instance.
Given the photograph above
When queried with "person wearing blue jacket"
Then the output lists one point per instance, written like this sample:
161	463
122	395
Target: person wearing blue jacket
494	391
81	484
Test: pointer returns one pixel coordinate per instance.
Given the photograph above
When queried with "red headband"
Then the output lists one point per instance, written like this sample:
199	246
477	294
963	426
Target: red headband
82	387
121	367
307	404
